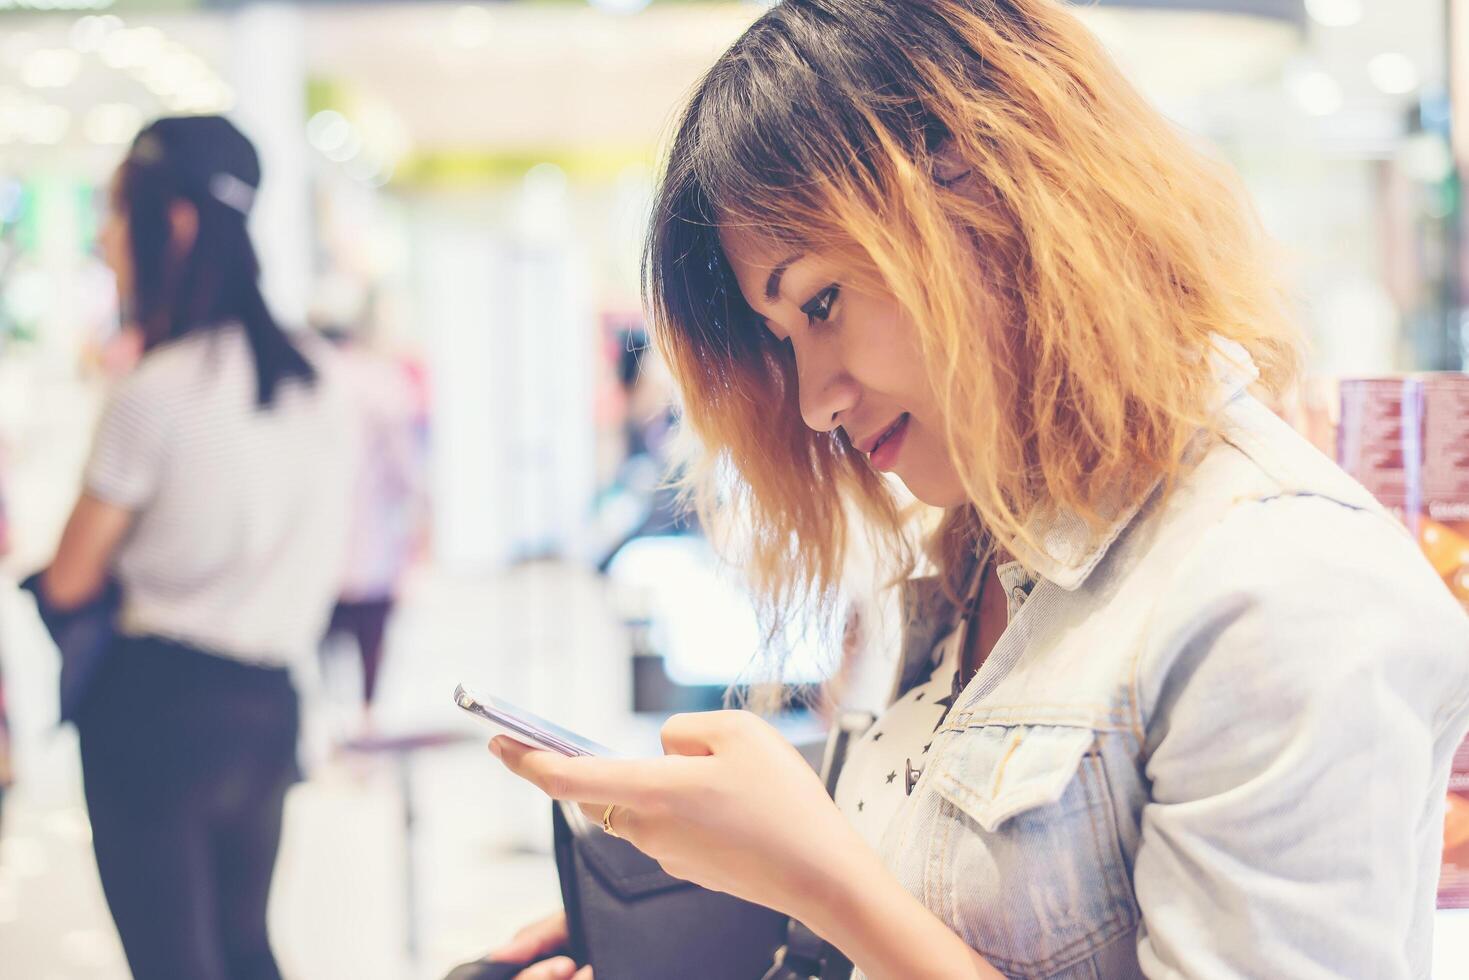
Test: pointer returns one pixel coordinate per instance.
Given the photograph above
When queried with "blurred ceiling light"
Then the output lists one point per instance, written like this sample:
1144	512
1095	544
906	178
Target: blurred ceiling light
132	47
1335	13
545	178
160	83
14	46
383	128
112	124
363	168
51	68
44	125
202	95
381	178
175	71
185	63
89	33
1316	92
347	149
472	26
328	130
620	6
1393	73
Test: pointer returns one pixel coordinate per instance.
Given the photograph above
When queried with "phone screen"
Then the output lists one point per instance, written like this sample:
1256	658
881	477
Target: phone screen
527	727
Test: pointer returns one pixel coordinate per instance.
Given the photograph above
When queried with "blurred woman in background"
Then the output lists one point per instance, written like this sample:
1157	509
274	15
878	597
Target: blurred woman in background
214	494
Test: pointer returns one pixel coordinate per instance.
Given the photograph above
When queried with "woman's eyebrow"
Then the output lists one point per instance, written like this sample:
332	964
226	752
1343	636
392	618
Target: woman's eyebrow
772	285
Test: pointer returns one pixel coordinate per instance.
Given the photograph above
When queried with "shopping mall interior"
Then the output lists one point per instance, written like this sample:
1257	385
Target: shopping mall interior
462	190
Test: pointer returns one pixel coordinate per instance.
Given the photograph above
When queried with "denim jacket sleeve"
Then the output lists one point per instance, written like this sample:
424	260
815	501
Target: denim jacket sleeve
1272	701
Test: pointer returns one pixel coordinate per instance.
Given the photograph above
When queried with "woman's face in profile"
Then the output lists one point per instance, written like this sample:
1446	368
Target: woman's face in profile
857	360
112	239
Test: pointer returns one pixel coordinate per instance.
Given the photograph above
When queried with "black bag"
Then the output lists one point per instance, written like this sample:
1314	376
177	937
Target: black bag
82	635
633	921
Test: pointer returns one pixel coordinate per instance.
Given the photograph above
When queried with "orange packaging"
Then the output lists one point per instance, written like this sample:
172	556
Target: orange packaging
1453	881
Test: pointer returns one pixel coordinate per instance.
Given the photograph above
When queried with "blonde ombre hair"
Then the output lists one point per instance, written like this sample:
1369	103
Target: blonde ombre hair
1066	257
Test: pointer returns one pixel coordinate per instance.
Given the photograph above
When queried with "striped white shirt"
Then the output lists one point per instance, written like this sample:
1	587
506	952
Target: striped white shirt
241	512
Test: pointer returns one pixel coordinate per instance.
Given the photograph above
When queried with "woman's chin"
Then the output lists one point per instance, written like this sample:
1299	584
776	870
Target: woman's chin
931	489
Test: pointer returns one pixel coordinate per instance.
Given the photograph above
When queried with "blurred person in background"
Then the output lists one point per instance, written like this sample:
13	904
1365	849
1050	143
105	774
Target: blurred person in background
1181	697
213	495
386	501
7	772
645	477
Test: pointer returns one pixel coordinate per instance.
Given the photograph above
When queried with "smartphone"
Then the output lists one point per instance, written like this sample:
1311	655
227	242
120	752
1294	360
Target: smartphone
525	727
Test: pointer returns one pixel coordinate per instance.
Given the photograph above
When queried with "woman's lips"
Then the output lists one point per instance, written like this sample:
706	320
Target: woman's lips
885	453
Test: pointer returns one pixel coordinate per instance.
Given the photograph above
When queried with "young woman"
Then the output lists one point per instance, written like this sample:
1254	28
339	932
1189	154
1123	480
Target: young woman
215	495
1182	699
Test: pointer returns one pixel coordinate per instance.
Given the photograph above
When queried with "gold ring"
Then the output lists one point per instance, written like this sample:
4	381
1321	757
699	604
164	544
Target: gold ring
607	820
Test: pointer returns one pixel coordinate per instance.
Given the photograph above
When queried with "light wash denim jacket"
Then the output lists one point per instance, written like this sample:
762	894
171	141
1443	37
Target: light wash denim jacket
1215	744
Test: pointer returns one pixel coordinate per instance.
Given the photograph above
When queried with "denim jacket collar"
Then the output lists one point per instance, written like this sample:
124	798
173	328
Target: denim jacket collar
1063	547
1066	549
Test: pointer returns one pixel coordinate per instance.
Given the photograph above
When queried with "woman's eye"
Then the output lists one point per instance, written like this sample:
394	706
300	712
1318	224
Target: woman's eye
818	308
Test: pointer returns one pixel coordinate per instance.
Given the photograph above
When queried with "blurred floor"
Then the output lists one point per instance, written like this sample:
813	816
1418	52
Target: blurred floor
541	635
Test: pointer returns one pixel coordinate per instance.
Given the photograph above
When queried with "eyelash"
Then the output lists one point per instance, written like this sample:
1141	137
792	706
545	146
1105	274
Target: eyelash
819	306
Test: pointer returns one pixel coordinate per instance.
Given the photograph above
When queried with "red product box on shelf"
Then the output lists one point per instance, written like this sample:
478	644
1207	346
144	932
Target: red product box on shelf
1439	495
1407	441
1439	507
1370	439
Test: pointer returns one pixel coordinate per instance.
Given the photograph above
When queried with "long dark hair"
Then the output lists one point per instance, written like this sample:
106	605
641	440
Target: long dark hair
206	162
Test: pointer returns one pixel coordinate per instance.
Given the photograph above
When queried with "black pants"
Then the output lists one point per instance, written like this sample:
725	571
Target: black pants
365	621
186	759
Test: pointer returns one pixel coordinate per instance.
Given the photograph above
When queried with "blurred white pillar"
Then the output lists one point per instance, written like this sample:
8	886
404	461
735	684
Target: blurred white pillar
268	74
552	346
458	273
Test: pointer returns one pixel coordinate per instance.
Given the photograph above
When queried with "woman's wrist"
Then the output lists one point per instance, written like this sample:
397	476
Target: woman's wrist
865	912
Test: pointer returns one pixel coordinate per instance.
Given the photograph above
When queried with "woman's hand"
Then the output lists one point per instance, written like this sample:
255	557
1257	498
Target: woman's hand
536	940
732	807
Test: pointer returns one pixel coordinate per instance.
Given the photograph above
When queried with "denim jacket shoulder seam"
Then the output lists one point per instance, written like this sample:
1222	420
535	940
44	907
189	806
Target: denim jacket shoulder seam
1142	719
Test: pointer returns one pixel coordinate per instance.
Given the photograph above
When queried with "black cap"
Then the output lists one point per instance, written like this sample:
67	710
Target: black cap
208	154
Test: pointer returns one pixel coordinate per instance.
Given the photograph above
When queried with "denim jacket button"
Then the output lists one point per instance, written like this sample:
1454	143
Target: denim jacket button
910	776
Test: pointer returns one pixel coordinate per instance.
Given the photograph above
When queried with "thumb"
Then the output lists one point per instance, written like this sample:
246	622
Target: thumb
687	734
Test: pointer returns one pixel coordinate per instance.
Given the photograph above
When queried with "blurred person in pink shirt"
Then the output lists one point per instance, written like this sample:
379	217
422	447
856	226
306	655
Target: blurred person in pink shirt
387	496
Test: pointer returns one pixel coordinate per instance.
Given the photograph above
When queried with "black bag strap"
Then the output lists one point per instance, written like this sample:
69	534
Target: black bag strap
805	955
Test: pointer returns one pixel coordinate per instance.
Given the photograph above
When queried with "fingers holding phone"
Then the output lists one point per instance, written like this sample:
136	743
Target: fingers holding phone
540	938
560	968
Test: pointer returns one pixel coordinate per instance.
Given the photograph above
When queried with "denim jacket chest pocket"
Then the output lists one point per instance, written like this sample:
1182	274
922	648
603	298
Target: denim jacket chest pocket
1023	858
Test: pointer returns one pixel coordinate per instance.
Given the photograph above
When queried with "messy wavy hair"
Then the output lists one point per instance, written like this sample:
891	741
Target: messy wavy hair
1065	256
